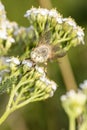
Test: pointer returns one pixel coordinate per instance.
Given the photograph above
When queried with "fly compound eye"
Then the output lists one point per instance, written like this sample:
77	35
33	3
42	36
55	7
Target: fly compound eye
41	54
44	51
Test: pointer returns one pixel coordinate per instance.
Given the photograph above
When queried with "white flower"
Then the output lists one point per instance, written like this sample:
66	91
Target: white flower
83	85
43	11
3	34
53	13
1	7
40	69
51	94
80	34
59	20
10	39
48	82
13	60
53	85
29	63
70	21
45	80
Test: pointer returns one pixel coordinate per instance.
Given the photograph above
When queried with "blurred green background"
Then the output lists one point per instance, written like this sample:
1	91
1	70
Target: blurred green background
49	114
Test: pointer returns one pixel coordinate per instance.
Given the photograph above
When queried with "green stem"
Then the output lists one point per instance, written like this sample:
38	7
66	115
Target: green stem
71	123
4	116
61	40
16	105
31	99
8	108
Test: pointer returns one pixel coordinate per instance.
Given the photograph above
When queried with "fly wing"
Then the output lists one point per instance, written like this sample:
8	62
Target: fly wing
58	52
45	38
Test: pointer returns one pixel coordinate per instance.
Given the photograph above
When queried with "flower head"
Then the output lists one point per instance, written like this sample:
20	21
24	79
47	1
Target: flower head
64	32
74	102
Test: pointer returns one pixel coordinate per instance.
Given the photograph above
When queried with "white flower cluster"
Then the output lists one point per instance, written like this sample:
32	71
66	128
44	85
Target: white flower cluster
75	97
51	19
76	29
49	85
5	25
74	102
43	12
42	83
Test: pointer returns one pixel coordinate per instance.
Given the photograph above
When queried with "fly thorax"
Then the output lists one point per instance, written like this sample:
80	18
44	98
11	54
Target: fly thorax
41	54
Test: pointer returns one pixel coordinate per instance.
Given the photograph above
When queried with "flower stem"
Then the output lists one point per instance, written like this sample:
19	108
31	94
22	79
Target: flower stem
4	116
67	73
71	123
8	109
